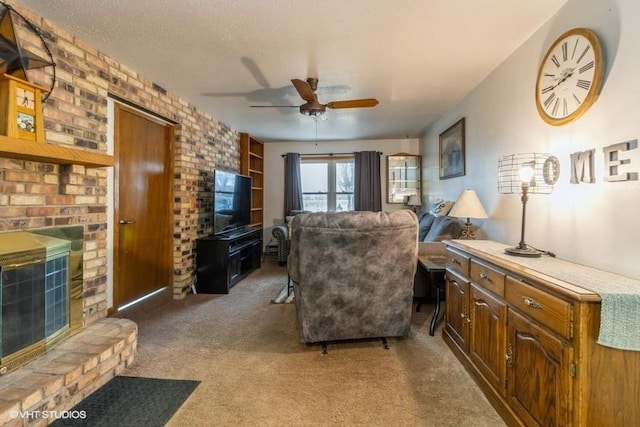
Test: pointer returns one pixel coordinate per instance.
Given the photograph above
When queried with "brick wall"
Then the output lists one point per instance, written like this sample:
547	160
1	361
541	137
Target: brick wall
35	195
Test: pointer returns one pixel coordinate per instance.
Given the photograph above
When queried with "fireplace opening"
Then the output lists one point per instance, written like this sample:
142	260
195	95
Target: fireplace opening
37	291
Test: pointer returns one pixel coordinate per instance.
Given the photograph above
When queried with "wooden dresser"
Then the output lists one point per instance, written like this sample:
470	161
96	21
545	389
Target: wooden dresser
529	341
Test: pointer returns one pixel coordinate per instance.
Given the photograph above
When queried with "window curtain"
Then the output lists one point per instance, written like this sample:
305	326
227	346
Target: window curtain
292	183
367	193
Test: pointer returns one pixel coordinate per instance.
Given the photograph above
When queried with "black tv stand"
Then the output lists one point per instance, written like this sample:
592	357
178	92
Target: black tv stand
225	259
239	232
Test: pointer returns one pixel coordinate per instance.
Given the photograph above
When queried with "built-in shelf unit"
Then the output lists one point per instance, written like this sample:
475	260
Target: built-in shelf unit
252	164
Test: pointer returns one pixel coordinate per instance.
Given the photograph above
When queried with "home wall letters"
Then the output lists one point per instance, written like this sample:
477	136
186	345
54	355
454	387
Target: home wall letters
616	161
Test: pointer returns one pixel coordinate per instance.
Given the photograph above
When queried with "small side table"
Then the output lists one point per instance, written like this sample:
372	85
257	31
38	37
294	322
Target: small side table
436	266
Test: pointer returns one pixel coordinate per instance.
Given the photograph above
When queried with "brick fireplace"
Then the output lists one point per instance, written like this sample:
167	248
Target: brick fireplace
40	292
48	362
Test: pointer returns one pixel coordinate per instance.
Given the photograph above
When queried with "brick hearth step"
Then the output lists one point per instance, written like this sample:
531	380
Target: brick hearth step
67	374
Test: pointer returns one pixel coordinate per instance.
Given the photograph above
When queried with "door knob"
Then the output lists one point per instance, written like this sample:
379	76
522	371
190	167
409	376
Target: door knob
127	221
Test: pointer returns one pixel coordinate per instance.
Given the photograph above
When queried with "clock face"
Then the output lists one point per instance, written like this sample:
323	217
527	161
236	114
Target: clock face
25	98
569	77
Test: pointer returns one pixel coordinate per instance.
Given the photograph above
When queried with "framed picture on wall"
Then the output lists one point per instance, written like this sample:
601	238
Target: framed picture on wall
452	163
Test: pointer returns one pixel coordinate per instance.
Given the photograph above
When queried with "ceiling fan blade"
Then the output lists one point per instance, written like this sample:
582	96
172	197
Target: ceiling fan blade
304	90
274	106
354	103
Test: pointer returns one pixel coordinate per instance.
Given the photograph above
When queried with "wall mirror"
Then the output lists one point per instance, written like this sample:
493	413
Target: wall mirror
403	177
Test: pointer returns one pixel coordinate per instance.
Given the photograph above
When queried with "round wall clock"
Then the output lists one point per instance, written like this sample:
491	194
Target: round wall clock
570	77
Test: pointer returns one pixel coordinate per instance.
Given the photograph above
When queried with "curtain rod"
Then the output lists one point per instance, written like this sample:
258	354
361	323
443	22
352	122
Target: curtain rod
329	154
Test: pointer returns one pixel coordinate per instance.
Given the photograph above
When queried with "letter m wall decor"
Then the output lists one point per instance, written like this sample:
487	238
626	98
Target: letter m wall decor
582	167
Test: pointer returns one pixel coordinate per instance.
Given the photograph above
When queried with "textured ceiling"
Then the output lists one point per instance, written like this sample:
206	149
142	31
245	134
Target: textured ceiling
417	57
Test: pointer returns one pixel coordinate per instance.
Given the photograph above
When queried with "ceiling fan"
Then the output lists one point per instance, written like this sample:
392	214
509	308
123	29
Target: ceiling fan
307	91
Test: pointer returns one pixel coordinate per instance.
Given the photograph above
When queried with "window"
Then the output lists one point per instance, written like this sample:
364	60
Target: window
327	185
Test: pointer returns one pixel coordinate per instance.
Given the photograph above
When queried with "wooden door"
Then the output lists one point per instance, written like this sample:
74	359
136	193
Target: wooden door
487	340
143	197
539	386
457	309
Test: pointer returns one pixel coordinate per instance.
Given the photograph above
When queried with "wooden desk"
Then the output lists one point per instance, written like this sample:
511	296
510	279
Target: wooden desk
436	266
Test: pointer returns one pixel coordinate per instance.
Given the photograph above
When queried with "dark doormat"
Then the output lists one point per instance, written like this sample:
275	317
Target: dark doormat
130	401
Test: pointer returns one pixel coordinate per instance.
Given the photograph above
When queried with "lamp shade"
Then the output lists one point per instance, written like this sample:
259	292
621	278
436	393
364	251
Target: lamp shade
414	200
468	206
541	171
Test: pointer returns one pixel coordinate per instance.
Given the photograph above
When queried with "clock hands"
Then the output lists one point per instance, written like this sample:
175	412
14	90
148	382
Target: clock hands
555	101
566	74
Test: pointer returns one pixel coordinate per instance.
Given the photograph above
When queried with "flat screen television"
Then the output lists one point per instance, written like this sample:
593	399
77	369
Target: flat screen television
231	201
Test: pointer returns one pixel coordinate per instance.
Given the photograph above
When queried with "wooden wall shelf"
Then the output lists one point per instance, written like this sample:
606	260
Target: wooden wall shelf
48	153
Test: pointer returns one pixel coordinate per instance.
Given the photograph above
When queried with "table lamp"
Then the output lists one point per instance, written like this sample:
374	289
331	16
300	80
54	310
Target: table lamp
468	206
414	202
524	174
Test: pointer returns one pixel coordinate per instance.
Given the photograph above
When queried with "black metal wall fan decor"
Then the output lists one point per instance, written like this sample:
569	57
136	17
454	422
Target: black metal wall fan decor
15	57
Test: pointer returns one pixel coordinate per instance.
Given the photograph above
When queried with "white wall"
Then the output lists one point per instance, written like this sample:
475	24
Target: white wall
274	168
592	224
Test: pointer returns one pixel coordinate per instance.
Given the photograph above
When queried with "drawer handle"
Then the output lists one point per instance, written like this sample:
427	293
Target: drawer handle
455	261
465	318
530	302
509	356
483	276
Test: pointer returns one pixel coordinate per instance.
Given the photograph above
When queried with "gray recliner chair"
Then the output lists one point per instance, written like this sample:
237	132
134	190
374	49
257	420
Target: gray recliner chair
352	274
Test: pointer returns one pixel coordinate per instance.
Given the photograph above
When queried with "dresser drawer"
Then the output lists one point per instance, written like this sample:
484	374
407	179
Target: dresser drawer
487	277
458	262
552	312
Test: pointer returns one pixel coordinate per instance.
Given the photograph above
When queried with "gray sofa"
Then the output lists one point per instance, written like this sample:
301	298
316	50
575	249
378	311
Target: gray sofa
433	227
281	234
352	274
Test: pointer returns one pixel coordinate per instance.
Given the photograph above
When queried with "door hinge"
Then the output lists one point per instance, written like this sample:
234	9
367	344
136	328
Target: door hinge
573	369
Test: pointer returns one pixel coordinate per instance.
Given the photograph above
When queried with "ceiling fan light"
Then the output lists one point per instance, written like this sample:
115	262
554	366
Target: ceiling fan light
312	110
315	115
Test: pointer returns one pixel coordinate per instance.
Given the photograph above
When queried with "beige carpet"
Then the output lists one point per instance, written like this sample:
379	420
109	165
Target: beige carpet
255	372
